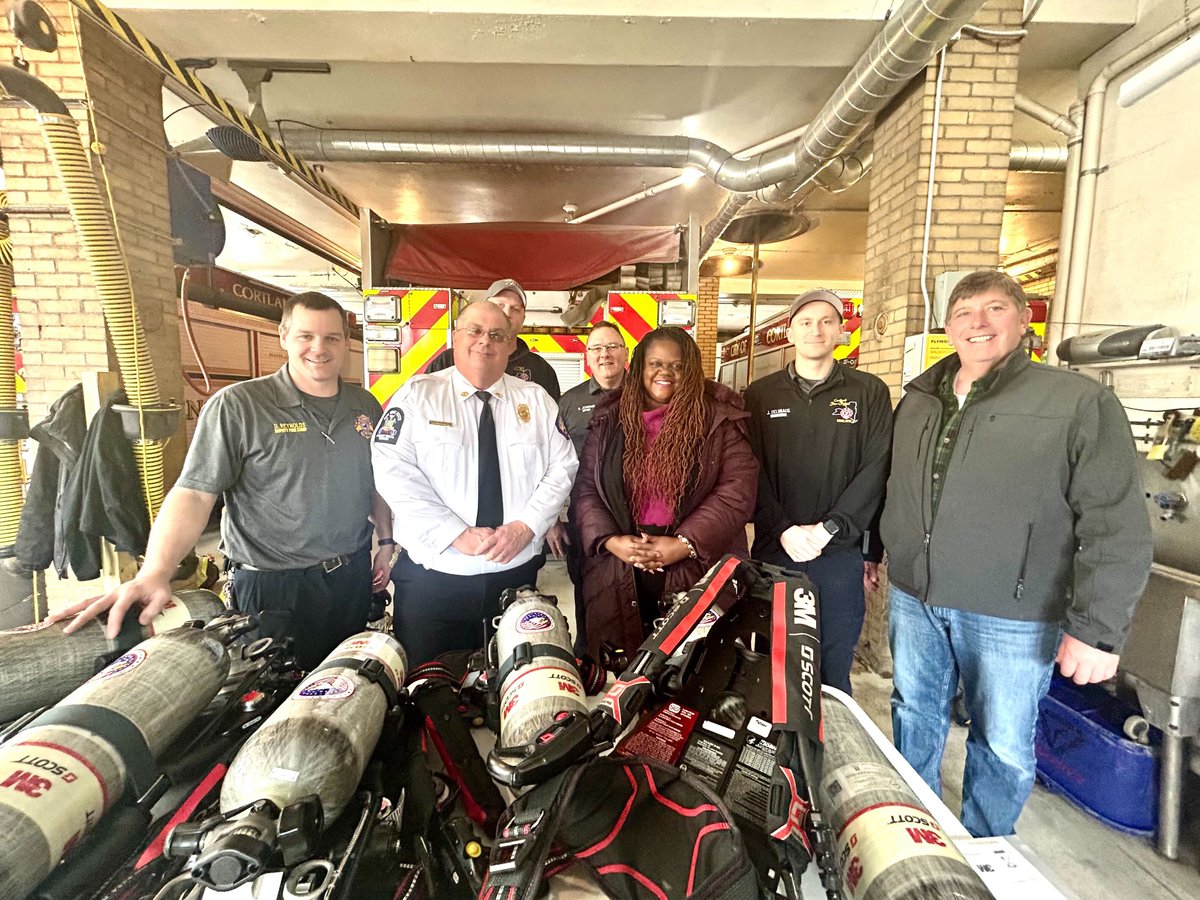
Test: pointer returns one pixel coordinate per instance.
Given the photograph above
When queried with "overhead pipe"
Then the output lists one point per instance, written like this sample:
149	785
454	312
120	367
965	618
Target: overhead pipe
915	32
849	169
1089	164
912	34
909	39
1066	235
670	184
98	235
1024	156
1066	124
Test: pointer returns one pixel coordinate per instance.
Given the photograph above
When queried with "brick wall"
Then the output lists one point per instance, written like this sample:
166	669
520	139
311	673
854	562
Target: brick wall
62	321
706	323
975	134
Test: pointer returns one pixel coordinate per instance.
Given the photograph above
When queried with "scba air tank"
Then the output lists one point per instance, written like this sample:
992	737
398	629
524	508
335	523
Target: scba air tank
321	737
888	843
41	665
61	773
538	674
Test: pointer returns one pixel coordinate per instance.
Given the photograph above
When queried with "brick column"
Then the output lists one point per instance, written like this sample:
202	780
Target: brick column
62	322
971	172
706	323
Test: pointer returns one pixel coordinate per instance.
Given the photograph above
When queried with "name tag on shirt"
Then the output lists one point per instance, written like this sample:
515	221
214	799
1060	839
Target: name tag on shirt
781	413
442	424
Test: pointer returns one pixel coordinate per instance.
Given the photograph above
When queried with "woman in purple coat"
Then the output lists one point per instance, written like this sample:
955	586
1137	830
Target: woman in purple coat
665	488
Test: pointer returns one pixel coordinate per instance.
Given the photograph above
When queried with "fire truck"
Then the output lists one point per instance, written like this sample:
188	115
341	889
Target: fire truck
229	330
406	328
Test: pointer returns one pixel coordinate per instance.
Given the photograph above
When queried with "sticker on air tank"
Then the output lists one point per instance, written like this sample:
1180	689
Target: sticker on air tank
880	836
542	681
28	629
123	664
379	646
55	787
326	687
534	621
173	615
858	778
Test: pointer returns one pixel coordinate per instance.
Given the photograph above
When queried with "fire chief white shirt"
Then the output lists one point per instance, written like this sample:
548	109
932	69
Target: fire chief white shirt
425	453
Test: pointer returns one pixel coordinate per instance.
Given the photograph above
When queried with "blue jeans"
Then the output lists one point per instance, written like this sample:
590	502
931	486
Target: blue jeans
1005	667
838	578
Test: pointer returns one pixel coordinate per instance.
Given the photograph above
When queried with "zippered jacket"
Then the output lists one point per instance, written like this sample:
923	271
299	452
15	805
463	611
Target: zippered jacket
823	456
1042	515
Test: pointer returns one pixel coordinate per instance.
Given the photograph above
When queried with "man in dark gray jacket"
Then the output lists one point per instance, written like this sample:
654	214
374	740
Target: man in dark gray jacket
1017	537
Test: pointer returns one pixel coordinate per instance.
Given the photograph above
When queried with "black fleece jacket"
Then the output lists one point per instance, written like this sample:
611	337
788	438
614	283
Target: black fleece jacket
823	456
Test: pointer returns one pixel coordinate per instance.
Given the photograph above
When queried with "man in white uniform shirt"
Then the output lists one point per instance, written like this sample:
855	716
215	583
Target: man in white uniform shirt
475	470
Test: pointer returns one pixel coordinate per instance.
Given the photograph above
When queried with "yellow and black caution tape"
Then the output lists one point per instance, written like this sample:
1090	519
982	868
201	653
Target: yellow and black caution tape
156	55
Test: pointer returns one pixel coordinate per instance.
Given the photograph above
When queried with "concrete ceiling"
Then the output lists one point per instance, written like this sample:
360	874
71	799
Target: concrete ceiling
734	75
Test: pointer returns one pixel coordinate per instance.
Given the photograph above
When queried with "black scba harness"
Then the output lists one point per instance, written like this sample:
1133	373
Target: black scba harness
711	794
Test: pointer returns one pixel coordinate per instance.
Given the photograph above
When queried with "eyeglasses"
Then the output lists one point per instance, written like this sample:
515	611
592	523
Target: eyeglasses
605	348
655	365
474	332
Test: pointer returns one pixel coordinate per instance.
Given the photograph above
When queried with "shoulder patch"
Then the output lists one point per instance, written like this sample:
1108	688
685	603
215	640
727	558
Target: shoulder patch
388	429
562	427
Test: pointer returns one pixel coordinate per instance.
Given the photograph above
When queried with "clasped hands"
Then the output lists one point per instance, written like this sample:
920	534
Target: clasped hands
499	544
651	553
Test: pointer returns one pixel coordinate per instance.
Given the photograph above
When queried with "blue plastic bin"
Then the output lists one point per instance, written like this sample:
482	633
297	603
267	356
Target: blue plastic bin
1083	754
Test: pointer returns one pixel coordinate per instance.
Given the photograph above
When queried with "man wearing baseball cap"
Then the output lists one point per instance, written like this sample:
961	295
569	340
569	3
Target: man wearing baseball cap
522	363
822	433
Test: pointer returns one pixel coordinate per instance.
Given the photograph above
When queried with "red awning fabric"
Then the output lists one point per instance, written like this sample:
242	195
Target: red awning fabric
541	256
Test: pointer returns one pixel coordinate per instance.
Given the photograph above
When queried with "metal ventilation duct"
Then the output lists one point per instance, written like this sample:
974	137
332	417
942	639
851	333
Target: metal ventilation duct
903	47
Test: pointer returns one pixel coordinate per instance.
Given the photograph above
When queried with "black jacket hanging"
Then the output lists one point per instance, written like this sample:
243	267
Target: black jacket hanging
40	535
103	497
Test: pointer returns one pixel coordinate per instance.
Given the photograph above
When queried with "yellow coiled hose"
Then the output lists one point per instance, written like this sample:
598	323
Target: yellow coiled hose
96	231
12	497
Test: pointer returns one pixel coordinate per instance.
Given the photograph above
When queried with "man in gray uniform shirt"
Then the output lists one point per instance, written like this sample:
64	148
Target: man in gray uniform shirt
291	455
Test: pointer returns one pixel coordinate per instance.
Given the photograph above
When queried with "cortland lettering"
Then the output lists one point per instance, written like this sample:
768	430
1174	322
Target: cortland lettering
258	296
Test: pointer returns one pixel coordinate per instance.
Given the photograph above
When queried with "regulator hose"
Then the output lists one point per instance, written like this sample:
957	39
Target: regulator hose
111	275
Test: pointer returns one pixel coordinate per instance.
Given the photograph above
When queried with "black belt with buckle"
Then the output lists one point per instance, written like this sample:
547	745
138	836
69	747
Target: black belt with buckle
329	565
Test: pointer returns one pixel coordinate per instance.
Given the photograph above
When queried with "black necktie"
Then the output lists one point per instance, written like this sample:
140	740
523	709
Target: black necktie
490	512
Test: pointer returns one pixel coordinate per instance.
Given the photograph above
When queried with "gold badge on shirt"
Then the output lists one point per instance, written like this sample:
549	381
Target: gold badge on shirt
523	412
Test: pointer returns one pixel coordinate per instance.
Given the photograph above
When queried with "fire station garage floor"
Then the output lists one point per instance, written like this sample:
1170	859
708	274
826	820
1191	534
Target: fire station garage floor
1086	859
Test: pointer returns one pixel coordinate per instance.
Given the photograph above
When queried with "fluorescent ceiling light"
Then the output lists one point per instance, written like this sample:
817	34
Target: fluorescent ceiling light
1174	62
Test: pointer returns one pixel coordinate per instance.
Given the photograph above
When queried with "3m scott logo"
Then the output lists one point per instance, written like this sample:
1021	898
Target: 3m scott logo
26	783
804	609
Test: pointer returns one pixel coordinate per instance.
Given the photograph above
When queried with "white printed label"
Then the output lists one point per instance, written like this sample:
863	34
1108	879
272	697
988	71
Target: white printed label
376	645
288	775
54	787
880	836
758	726
174	615
542	681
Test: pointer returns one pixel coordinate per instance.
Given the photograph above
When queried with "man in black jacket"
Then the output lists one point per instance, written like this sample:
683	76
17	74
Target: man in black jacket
822	433
522	363
1017	535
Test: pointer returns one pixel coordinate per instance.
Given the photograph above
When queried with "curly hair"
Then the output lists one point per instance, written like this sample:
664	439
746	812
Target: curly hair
664	470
